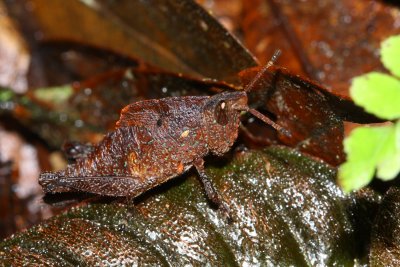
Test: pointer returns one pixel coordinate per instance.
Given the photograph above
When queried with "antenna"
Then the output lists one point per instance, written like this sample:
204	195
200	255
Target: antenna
268	121
270	63
256	113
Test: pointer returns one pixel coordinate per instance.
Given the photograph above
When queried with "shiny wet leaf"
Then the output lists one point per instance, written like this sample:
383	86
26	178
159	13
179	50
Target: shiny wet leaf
282	202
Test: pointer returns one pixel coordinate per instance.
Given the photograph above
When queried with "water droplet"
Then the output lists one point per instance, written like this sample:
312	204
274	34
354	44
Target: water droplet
78	123
87	91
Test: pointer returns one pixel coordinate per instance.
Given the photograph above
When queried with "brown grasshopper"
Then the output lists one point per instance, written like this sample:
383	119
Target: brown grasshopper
157	140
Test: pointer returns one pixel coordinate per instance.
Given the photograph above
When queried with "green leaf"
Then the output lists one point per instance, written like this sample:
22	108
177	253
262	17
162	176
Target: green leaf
389	163
378	94
390	54
359	167
368	148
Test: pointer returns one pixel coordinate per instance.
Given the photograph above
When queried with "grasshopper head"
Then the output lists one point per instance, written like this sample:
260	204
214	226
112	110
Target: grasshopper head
222	119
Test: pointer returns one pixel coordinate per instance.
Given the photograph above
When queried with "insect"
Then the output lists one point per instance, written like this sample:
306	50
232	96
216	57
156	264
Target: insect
157	140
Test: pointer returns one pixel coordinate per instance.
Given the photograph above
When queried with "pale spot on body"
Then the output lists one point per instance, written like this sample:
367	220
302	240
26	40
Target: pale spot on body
185	134
133	164
132	157
180	167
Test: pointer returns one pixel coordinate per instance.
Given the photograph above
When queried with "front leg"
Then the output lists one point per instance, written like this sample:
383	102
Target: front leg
212	193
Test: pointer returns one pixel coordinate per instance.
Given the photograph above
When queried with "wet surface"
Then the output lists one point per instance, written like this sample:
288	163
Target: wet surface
281	215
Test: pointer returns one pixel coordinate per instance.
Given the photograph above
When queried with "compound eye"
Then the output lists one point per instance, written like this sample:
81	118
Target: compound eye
221	113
